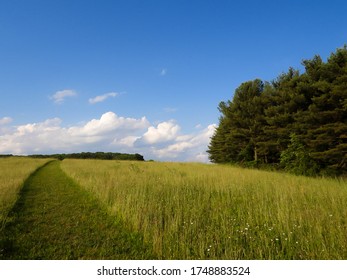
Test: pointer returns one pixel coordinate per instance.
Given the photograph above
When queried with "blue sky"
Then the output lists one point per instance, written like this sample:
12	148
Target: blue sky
144	76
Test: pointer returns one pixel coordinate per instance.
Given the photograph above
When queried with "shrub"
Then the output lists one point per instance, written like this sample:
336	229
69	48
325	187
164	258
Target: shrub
297	160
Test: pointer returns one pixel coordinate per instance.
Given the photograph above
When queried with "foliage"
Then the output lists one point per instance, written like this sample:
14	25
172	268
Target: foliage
255	126
97	155
297	160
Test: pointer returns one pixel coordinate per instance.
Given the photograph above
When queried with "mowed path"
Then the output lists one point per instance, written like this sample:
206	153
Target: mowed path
55	219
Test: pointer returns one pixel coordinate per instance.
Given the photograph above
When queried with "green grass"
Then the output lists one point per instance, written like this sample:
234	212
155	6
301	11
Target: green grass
146	210
13	173
55	219
197	211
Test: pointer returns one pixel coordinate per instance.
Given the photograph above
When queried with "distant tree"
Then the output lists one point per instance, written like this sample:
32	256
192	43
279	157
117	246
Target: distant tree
97	155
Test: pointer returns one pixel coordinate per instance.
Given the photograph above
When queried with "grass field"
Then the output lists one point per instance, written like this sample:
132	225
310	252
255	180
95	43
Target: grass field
13	172
92	209
199	211
55	219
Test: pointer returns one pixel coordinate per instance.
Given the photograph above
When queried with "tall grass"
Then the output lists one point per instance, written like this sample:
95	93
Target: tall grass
55	219
13	172
197	211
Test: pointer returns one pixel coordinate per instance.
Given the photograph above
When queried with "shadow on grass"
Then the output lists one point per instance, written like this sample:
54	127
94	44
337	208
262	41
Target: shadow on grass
55	219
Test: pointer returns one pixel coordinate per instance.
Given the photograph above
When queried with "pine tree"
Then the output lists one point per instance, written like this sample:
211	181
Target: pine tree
327	115
297	160
258	124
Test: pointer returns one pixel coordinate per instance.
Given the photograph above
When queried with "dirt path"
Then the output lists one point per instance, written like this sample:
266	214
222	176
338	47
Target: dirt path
55	219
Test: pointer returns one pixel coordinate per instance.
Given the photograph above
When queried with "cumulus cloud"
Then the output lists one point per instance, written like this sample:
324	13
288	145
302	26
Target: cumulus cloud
101	98
60	96
164	132
191	147
32	137
110	132
127	141
109	124
50	137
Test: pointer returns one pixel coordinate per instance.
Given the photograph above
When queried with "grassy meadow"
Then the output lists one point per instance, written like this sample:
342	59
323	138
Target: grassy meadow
200	211
13	172
55	219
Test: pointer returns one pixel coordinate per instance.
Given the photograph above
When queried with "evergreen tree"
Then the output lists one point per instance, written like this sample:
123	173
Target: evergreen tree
222	149
297	160
240	127
258	124
327	115
280	114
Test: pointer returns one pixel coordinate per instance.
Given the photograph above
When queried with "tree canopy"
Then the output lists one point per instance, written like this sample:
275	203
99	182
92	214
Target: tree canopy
265	120
97	155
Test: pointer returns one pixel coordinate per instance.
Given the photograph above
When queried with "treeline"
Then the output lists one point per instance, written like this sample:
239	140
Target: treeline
297	122
97	155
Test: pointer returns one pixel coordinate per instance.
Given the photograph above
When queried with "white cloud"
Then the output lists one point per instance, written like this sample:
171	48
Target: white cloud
101	98
188	147
170	110
60	96
29	138
3	125
109	124
164	132
107	133
163	72
50	137
5	120
127	141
